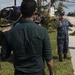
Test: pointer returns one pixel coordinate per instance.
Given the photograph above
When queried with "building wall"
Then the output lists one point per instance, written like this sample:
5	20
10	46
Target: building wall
52	11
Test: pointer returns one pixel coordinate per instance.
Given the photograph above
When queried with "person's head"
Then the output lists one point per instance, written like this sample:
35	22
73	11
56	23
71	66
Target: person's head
62	15
28	8
37	13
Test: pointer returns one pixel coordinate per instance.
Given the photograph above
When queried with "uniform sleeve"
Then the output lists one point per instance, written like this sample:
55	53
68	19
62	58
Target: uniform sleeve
57	24
47	51
70	24
5	50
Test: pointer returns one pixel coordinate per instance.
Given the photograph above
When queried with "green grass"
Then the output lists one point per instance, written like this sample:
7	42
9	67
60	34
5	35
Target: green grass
60	68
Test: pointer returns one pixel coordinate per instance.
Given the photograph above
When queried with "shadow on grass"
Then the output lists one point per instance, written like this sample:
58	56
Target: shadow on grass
72	34
55	57
69	58
51	31
10	59
71	47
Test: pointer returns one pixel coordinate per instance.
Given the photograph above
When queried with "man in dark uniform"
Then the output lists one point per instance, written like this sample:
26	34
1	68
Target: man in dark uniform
62	36
30	44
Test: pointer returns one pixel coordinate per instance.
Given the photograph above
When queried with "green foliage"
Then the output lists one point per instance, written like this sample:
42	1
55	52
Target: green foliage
49	22
39	5
59	9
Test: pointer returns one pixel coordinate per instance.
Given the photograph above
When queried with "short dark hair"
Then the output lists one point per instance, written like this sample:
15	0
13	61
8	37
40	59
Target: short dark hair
28	7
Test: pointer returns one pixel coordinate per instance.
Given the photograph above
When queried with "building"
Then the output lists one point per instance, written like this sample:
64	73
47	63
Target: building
52	11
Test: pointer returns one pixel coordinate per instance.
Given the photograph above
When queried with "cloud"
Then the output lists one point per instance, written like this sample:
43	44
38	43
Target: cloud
7	3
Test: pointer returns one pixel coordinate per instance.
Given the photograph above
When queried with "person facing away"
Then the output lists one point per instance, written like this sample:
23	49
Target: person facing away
62	25
30	44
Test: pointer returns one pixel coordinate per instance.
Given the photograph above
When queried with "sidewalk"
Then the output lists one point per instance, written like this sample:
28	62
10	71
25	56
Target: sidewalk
72	48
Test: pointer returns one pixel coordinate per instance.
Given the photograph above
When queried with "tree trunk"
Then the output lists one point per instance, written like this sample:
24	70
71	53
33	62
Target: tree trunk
39	3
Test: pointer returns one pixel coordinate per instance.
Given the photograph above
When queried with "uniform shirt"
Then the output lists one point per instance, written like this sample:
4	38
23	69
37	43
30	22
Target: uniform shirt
62	28
30	44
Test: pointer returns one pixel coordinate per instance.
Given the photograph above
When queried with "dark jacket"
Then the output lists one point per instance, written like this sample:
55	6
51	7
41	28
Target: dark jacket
30	44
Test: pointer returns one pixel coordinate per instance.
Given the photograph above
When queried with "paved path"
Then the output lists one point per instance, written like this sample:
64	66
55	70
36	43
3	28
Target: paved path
72	42
71	19
72	48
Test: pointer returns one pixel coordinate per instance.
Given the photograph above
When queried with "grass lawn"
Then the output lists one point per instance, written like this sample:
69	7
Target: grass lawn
61	68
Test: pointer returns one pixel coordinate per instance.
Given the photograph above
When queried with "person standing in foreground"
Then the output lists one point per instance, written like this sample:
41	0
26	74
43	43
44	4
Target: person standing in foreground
30	44
62	36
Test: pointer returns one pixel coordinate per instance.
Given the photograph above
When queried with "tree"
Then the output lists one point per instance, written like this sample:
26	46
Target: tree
60	8
39	4
52	2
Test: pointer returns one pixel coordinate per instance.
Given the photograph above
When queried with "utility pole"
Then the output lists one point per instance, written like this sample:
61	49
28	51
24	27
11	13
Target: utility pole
14	2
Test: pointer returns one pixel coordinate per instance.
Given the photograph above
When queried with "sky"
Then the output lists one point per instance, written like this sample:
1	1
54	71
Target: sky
6	3
71	7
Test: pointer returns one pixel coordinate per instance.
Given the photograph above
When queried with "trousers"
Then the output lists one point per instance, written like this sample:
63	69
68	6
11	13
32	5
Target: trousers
62	46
